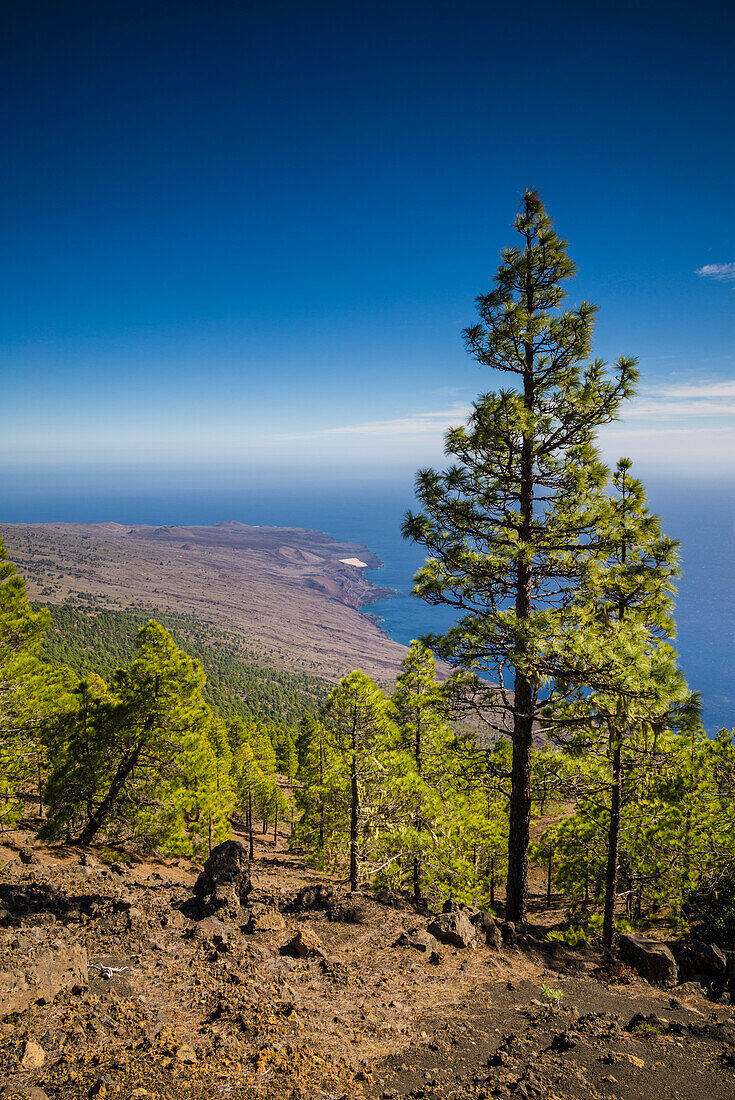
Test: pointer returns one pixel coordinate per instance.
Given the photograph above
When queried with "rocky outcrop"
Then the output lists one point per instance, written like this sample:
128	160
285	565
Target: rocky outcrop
454	928
349	912
653	961
225	883
304	944
487	928
417	938
709	959
318	896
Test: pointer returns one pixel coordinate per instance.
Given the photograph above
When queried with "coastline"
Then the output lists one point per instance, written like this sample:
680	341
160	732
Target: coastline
284	590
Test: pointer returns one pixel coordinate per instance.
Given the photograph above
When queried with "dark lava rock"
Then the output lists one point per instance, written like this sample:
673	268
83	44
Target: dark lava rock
565	1040
318	896
27	855
346	911
417	938
224	884
641	1021
508	932
493	939
730	963
454	928
651	959
487	927
709	959
482	920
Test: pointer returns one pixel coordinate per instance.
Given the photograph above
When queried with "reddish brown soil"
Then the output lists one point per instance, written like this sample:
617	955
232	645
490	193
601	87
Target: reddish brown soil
193	1018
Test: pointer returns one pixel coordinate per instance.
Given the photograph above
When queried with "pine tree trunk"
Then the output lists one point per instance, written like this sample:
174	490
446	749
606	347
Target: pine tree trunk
250	823
98	818
686	858
354	809
321	797
520	797
519	823
417	820
613	845
613	832
686	863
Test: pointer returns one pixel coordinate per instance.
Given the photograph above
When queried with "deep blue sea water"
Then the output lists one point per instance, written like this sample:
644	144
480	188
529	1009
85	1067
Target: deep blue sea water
700	515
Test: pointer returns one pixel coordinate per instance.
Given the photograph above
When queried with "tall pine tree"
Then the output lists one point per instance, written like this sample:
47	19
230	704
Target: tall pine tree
634	676
356	717
508	527
30	692
419	763
138	763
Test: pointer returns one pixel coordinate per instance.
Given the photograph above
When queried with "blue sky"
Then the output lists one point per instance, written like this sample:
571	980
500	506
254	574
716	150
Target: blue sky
244	238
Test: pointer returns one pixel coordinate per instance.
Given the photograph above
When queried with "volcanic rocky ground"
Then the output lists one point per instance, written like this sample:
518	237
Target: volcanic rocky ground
295	989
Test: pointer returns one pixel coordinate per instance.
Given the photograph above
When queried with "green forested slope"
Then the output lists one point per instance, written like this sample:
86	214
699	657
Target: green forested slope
101	641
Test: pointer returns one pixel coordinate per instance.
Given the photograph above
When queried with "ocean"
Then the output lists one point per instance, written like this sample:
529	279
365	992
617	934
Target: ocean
700	515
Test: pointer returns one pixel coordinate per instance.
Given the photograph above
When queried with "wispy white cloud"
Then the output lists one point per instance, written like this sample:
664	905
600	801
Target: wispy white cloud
666	408
684	424
698	390
683	401
431	423
723	272
696	449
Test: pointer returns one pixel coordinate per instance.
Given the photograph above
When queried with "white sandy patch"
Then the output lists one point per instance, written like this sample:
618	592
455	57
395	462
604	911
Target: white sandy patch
354	561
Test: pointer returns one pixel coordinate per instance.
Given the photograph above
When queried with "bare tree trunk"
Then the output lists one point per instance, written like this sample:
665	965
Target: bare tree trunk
98	818
613	846
321	796
520	805
417	820
354	810
520	796
613	832
492	881
416	879
250	823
